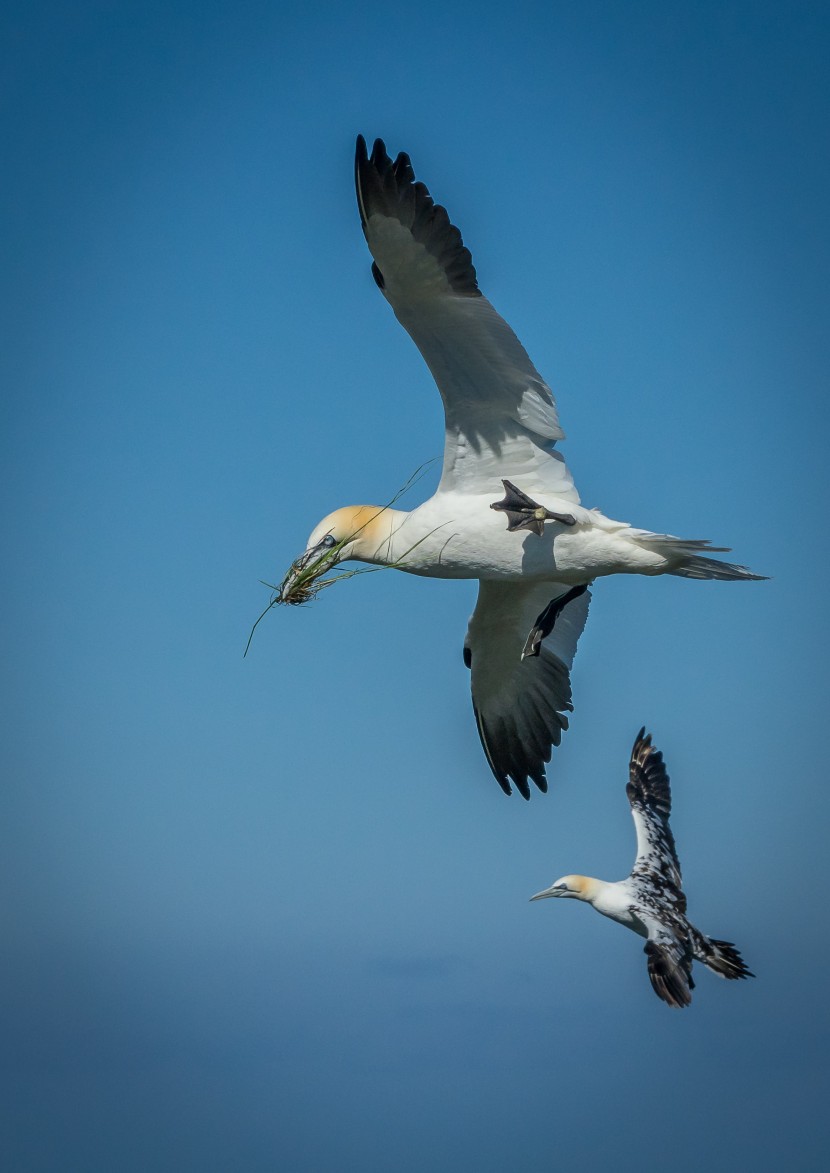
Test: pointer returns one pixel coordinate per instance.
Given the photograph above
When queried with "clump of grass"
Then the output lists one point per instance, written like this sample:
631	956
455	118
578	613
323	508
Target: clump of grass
301	586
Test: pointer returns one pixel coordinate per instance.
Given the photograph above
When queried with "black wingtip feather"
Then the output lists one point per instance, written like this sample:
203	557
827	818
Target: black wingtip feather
380	157
389	188
518	770
648	779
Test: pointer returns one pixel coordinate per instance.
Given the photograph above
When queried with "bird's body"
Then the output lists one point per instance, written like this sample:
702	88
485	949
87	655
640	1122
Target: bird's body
651	901
501	429
457	535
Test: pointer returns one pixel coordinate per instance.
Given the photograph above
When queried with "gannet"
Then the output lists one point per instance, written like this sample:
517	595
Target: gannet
651	901
535	549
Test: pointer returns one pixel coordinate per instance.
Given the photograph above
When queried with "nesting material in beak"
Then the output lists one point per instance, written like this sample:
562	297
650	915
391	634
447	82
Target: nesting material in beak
304	579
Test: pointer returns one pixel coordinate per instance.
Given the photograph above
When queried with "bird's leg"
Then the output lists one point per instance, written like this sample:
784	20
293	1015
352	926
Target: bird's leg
544	624
525	513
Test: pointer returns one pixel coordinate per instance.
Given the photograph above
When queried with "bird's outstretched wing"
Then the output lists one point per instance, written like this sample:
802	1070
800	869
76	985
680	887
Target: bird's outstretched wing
650	797
501	418
520	703
669	966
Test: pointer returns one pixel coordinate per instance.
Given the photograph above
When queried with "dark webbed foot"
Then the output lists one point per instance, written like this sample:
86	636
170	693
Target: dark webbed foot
525	513
544	624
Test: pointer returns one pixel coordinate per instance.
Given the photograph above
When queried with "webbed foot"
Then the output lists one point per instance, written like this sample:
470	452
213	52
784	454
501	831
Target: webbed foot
525	513
544	624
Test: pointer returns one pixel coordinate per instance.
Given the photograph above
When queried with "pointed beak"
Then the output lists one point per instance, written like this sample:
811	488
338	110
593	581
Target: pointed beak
547	892
306	561
304	571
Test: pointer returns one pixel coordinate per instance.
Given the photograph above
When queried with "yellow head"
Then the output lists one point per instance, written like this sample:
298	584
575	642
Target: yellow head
576	887
356	531
361	532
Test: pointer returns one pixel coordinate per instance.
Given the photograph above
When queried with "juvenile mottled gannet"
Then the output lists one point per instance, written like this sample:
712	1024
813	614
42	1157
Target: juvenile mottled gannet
651	901
500	466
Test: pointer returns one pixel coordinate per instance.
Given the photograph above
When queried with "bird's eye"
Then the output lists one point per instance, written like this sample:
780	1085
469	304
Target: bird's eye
328	541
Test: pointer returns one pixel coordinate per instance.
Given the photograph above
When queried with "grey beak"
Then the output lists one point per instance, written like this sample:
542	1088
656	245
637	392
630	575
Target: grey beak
317	558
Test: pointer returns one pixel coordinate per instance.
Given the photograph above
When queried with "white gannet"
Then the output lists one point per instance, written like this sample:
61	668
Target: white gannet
651	901
501	430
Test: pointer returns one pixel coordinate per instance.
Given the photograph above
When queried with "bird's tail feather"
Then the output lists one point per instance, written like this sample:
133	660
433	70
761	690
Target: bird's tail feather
689	564
721	957
697	567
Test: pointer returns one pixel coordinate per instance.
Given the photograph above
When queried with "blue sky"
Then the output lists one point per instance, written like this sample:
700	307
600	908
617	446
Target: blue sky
273	913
